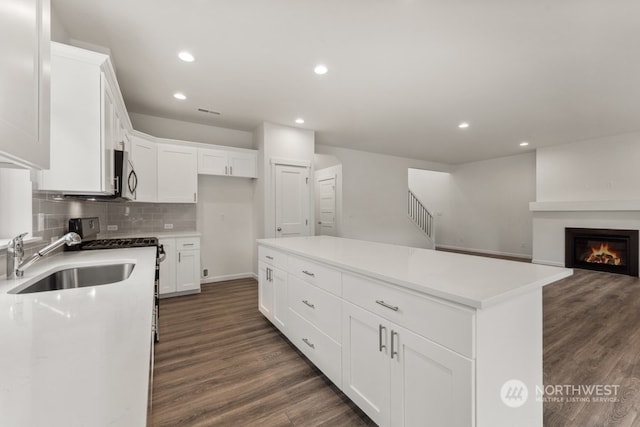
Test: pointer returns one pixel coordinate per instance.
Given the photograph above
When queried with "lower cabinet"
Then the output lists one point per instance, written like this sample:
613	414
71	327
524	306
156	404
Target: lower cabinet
399	378
180	271
272	294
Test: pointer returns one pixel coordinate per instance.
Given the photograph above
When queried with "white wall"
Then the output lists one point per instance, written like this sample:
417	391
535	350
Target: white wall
374	190
489	206
225	217
187	131
58	31
597	169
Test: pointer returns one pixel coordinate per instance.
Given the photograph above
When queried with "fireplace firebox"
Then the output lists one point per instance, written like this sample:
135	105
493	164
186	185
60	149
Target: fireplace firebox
613	251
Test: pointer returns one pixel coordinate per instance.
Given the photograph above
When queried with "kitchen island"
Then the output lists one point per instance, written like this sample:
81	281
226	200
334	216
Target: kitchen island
78	357
413	336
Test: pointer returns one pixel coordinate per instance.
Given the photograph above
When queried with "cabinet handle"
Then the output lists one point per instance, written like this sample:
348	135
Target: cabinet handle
269	257
308	273
393	352
268	274
187	244
306	341
380	345
308	304
390	307
195	199
230	170
226	168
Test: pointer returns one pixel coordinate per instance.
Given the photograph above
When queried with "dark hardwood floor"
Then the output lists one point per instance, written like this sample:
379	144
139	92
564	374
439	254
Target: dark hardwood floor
221	363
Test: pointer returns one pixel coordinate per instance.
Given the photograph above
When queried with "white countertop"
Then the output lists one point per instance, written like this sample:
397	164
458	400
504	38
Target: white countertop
78	357
465	279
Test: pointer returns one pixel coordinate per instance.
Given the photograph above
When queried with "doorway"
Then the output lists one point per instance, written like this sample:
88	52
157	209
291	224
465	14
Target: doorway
328	200
291	197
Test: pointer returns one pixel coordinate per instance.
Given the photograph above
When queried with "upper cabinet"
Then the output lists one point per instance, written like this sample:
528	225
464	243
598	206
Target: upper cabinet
143	155
86	122
239	163
24	83
177	174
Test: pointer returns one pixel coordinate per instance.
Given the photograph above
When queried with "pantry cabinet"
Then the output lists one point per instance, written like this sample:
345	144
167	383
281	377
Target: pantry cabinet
177	176
272	289
180	270
238	163
24	83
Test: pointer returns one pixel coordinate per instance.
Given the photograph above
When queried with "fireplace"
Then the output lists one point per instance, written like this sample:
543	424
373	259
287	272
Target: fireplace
613	251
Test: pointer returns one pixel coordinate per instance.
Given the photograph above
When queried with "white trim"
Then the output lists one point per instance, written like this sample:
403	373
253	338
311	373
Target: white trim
595	205
483	251
547	262
222	278
290	162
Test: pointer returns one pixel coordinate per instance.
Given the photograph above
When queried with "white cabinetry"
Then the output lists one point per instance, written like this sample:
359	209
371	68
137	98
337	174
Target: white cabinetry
144	159
177	174
180	271
399	378
24	83
272	287
84	129
240	163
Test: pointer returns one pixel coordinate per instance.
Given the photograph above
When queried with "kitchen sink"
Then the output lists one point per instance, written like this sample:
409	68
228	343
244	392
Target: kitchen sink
80	277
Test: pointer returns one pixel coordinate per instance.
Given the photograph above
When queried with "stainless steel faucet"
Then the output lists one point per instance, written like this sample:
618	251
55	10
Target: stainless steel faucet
15	253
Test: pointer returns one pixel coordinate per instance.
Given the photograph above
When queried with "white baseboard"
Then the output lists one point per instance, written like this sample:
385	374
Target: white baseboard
212	279
483	251
547	262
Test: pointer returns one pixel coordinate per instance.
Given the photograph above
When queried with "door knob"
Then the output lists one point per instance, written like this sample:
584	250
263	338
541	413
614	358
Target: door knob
279	228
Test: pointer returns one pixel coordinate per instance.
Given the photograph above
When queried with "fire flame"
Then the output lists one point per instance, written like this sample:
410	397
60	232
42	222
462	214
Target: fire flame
603	255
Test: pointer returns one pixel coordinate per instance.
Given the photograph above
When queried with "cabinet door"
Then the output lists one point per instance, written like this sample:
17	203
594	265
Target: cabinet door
212	162
24	83
168	267
265	290
145	164
430	385
188	271
280	300
177	174
365	362
109	135
243	164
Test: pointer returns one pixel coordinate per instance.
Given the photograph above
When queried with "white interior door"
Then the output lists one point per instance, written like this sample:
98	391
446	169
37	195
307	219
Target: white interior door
291	201
326	205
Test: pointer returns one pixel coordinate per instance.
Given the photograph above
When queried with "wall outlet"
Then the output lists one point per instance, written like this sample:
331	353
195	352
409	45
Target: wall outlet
112	228
205	272
168	226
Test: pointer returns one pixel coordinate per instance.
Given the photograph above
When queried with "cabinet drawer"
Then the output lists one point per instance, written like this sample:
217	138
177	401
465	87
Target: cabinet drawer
325	353
447	324
320	308
323	277
187	243
272	257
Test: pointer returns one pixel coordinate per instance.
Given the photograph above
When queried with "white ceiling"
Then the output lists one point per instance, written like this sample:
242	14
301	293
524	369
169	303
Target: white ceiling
402	73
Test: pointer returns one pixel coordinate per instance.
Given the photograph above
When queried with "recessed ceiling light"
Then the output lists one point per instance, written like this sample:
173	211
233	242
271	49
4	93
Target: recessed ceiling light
180	96
186	56
524	144
320	69
299	121
463	125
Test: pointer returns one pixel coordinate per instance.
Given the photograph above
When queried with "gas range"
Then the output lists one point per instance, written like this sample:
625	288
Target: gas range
134	242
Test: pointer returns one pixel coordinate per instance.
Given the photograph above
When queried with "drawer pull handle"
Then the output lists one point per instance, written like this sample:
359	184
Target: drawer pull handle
380	345
308	304
393	352
308	273
269	257
306	341
390	307
187	244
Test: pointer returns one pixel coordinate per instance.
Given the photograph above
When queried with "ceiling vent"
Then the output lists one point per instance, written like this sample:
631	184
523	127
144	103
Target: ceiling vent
204	110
